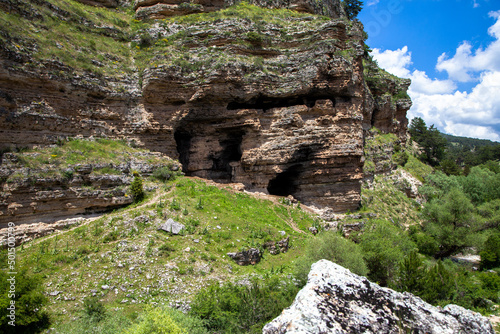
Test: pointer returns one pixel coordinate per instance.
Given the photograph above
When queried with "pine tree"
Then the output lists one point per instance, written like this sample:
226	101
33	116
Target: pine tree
352	8
136	188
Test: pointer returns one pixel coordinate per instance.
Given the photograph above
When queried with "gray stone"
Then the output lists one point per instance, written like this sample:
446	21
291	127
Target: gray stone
246	257
172	226
337	301
313	230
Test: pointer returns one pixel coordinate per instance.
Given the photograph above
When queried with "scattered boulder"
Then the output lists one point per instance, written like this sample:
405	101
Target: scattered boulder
271	247
348	228
246	257
172	226
275	248
283	244
313	230
338	301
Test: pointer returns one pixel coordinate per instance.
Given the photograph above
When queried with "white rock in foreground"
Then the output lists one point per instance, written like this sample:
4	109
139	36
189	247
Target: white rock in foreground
338	301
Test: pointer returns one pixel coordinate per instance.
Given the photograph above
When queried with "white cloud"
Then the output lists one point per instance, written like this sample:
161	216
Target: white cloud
398	61
471	114
465	61
395	62
372	2
457	66
475	4
421	83
474	114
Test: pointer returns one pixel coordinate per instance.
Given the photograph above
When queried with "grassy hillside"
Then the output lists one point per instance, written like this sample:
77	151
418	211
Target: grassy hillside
139	264
67	38
129	266
85	38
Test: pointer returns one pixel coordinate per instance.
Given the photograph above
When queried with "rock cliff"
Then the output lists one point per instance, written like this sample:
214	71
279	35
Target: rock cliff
276	99
76	178
337	301
159	9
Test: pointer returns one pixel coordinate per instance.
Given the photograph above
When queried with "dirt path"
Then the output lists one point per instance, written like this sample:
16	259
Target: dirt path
87	221
232	187
290	222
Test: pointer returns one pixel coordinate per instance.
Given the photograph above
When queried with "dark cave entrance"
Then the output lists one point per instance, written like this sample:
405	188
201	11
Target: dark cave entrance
183	143
285	183
231	152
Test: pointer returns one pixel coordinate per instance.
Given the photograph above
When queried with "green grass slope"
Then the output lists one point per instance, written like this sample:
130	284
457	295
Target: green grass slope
127	262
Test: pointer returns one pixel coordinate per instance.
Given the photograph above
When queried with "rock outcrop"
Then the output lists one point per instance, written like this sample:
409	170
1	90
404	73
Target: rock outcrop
34	189
337	301
246	257
171	226
101	3
281	105
160	9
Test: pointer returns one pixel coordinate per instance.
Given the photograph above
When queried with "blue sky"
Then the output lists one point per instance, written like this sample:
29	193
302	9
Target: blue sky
451	51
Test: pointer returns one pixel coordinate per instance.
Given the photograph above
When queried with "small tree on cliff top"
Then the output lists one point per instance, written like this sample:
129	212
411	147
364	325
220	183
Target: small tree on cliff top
352	8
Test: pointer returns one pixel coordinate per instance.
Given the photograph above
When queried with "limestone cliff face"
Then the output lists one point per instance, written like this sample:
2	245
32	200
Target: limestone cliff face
279	102
159	9
42	187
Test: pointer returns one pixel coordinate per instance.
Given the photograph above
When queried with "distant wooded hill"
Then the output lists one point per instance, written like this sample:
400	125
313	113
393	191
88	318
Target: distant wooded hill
453	154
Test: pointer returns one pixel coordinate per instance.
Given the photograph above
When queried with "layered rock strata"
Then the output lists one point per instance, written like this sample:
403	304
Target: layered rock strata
48	194
280	104
159	9
336	301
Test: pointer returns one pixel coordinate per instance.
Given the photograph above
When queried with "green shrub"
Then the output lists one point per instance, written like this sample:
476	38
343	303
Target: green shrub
450	222
234	308
255	38
111	236
114	322
438	284
330	246
136	188
165	250
156	321
411	274
29	301
400	158
163	174
490	255
384	248
94	309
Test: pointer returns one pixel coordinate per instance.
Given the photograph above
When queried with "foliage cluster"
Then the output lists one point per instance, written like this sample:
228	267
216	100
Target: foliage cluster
238	308
352	8
166	321
430	139
453	155
462	212
332	247
30	313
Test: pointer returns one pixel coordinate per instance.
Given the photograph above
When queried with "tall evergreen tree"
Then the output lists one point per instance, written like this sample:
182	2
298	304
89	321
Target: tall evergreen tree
352	8
430	139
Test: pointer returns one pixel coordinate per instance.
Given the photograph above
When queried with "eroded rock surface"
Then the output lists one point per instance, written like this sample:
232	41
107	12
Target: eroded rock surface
159	9
246	257
50	193
281	106
337	301
172	226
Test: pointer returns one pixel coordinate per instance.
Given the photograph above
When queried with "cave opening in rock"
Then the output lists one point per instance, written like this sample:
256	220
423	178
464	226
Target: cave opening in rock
285	183
183	143
231	152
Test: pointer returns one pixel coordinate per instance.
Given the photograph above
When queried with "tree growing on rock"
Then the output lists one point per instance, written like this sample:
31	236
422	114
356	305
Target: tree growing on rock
352	8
